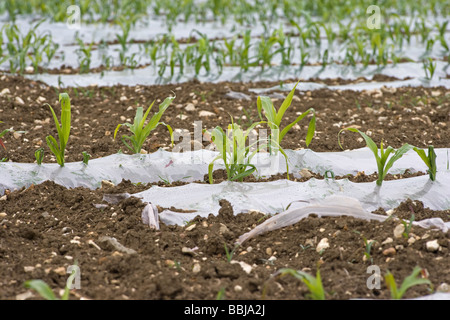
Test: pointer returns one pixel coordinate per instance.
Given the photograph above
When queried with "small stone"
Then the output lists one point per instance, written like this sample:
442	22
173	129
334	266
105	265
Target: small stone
245	266
388	240
223	229
143	151
443	287
107	184
41	99
323	244
411	240
19	101
169	263
5	92
3	198
29	69
182	116
123	98
191	227
190	107
435	93
237	288
389	252
196	268
2	215
60	271
188	251
306	173
17	135
204	113
269	251
28	269
432	246
398	231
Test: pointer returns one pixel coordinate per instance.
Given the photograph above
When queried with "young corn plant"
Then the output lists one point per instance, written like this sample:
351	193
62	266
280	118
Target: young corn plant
314	284
429	160
86	157
429	67
141	132
45	291
63	129
274	117
408	282
39	155
235	153
381	155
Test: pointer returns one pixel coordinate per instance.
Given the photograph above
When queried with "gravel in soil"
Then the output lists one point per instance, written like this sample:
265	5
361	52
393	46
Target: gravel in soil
418	116
46	228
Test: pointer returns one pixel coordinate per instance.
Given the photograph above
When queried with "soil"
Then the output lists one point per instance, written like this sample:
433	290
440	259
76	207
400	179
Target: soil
46	228
418	116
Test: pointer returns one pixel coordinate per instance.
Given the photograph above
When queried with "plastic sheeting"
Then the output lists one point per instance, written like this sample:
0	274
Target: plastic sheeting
275	196
191	166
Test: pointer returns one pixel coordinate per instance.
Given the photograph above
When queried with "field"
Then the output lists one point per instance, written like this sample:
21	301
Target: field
340	127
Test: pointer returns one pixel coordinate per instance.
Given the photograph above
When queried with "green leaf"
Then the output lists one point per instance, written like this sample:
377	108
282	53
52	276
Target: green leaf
285	105
65	117
42	288
397	155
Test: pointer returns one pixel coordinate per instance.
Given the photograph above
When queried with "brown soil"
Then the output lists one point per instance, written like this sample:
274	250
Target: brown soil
418	116
46	228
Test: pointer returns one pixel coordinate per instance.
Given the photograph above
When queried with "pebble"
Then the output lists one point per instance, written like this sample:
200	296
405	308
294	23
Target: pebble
188	251
237	288
323	244
204	113
190	107
398	231
432	246
223	229
19	100
245	266
41	99
387	241
196	268
305	173
5	92
389	252
28	269
191	227
3	214
60	271
106	183
443	287
182	116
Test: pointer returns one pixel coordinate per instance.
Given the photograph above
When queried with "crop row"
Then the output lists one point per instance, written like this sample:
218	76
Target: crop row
238	11
236	146
354	44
